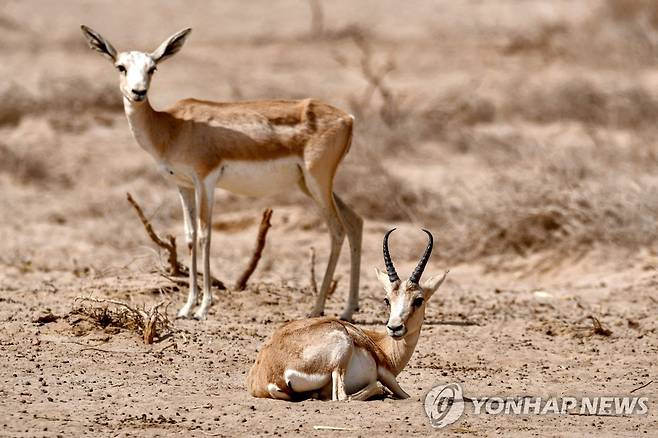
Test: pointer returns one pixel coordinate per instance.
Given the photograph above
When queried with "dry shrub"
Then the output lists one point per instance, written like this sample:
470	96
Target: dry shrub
376	193
544	39
583	100
25	167
619	33
377	97
632	12
70	104
75	103
459	107
78	94
150	324
546	197
15	102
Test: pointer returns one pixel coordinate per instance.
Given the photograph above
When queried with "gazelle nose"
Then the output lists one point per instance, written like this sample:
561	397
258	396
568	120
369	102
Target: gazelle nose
395	329
139	92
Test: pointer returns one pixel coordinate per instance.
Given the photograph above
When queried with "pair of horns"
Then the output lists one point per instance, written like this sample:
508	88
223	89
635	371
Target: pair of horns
418	272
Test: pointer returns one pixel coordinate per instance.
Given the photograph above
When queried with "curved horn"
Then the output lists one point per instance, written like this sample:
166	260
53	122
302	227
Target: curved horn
415	276
392	275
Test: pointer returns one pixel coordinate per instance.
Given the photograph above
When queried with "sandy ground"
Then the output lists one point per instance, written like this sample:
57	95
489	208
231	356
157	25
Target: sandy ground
502	325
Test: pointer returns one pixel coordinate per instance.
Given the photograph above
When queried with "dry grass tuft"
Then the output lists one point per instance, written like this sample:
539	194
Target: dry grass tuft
634	12
379	193
150	324
71	104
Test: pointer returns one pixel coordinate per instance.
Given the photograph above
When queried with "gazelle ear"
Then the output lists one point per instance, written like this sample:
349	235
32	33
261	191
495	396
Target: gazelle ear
383	279
171	45
98	43
433	283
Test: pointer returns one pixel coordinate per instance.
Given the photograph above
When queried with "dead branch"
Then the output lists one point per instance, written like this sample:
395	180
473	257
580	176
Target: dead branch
313	282
332	286
598	329
258	251
102	350
149	323
175	268
643	386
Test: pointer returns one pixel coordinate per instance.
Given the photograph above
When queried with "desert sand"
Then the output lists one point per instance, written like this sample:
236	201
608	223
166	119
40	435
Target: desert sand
523	134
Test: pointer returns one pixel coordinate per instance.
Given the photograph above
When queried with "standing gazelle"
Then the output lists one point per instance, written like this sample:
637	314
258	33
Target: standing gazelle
331	359
254	148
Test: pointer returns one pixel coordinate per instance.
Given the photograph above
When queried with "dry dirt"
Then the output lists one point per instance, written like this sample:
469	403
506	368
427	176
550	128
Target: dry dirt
521	133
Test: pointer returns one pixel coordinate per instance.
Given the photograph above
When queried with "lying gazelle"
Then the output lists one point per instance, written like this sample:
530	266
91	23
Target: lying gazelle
253	148
327	358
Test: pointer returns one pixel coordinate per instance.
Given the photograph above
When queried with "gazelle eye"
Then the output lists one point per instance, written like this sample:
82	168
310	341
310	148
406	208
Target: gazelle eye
418	302
387	302
151	70
121	68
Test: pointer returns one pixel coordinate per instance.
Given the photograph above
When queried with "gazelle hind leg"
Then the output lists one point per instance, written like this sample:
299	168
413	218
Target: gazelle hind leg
353	224
327	207
338	389
205	200
190	220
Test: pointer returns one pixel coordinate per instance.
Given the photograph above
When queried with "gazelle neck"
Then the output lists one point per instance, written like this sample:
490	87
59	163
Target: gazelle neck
399	351
142	119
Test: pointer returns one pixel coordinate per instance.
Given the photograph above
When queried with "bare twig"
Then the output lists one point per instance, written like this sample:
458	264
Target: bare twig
171	345
598	329
332	286
258	251
643	386
331	428
312	280
175	268
102	350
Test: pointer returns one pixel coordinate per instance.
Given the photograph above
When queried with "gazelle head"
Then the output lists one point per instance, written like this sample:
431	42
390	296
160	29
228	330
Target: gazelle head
406	300
135	68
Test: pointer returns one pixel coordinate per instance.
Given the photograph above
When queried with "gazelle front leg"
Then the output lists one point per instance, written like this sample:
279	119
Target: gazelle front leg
372	390
204	201
190	219
389	381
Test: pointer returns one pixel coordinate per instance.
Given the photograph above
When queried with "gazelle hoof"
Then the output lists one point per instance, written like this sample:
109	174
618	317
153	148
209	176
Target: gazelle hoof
200	316
347	316
184	313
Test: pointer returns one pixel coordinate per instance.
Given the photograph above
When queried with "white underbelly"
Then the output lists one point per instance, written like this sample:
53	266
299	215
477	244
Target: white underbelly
260	178
361	371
